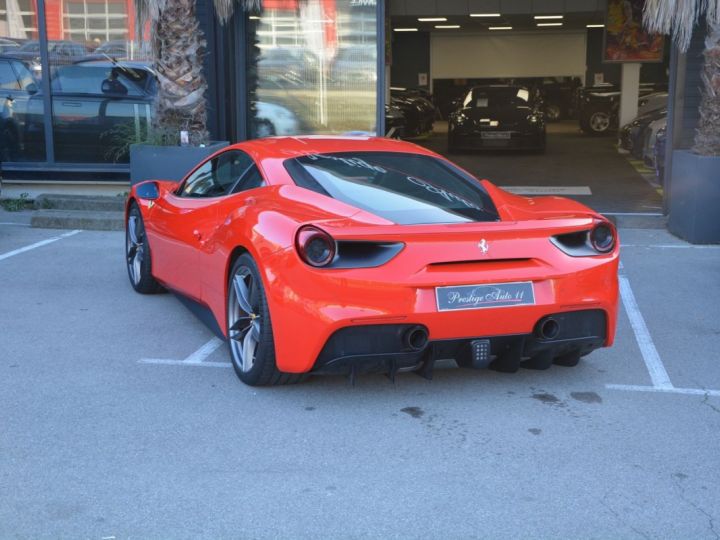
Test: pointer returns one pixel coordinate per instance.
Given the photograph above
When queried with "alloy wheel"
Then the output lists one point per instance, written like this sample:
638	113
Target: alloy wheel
552	112
135	247
244	321
599	122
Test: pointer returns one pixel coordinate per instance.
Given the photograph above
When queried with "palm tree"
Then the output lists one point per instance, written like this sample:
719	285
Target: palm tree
679	17
178	50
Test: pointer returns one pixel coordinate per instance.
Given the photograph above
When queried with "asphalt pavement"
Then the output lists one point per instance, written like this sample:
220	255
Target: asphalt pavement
121	418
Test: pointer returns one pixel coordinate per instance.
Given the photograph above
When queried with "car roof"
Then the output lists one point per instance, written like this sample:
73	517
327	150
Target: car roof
290	147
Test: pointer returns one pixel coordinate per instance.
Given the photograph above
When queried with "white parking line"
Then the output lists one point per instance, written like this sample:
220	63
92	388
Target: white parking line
658	375
652	214
670	246
9	254
548	190
655	367
671	390
195	359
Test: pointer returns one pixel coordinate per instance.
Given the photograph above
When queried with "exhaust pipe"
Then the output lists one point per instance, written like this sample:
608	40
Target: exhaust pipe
415	338
549	328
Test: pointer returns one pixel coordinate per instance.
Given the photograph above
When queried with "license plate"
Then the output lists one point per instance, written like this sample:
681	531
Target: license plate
495	134
485	296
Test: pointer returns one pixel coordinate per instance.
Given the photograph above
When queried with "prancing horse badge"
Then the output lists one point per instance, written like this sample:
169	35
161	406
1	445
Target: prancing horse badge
483	245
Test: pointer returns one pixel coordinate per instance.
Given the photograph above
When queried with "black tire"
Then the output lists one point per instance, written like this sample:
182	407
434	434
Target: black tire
568	360
597	121
250	330
553	112
137	254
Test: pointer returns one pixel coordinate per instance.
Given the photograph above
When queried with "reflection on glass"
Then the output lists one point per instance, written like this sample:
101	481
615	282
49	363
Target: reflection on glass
312	67
22	135
101	81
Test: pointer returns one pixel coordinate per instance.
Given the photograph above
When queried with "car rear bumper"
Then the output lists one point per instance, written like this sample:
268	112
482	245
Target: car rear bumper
518	141
309	306
387	348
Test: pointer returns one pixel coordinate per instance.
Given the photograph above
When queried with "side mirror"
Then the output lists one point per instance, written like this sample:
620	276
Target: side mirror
148	191
31	89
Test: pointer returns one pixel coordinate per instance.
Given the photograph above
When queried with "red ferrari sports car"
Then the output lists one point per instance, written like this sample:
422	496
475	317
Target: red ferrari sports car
354	255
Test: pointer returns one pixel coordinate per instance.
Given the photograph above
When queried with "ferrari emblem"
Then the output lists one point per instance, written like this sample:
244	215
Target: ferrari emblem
483	245
151	204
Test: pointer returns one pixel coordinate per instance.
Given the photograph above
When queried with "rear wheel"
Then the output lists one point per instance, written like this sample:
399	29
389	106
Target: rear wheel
552	112
597	122
249	330
137	254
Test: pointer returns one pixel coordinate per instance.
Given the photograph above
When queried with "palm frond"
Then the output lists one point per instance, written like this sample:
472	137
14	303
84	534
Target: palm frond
225	8
149	10
679	17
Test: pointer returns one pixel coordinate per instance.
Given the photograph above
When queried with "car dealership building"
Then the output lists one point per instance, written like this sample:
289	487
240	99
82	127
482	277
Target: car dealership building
307	67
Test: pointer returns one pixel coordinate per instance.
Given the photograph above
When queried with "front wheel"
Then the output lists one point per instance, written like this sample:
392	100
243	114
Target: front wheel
137	254
249	328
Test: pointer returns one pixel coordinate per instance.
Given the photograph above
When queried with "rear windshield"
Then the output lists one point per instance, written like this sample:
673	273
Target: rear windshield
404	188
498	97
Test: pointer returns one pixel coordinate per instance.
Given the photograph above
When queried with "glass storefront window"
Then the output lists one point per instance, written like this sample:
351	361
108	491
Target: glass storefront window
101	80
313	67
22	134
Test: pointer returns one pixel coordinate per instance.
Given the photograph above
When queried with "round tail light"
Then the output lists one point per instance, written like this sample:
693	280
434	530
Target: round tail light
602	237
315	246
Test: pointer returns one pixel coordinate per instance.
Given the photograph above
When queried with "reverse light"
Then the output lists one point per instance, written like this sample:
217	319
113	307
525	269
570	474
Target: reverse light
315	247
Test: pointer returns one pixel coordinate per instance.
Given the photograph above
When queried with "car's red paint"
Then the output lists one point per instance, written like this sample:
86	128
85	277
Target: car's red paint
193	242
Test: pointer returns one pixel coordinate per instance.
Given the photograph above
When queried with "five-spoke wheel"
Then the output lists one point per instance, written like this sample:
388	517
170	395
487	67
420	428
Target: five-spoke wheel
137	253
249	329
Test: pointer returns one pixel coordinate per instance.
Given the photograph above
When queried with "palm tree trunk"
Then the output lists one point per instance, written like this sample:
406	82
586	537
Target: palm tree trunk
707	136
179	47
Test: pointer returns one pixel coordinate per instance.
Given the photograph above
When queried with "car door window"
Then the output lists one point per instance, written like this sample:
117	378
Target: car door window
250	180
8	80
232	165
217	177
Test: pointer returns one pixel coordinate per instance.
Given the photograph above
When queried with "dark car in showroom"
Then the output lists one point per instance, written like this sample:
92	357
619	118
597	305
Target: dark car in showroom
498	117
599	106
633	134
419	113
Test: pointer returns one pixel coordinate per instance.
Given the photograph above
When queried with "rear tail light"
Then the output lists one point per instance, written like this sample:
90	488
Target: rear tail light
315	246
602	237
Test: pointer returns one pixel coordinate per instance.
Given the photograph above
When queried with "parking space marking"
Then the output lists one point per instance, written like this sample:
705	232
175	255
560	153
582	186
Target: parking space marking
670	246
195	359
650	214
671	390
18	251
655	367
548	190
658	374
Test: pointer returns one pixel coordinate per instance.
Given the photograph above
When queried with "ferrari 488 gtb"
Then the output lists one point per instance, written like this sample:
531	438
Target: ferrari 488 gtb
355	255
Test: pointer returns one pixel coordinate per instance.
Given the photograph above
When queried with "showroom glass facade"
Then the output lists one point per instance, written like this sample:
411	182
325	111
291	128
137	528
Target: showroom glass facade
83	80
313	66
77	82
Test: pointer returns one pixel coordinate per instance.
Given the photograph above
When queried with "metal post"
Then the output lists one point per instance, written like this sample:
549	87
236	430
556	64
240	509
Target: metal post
241	97
45	83
380	88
